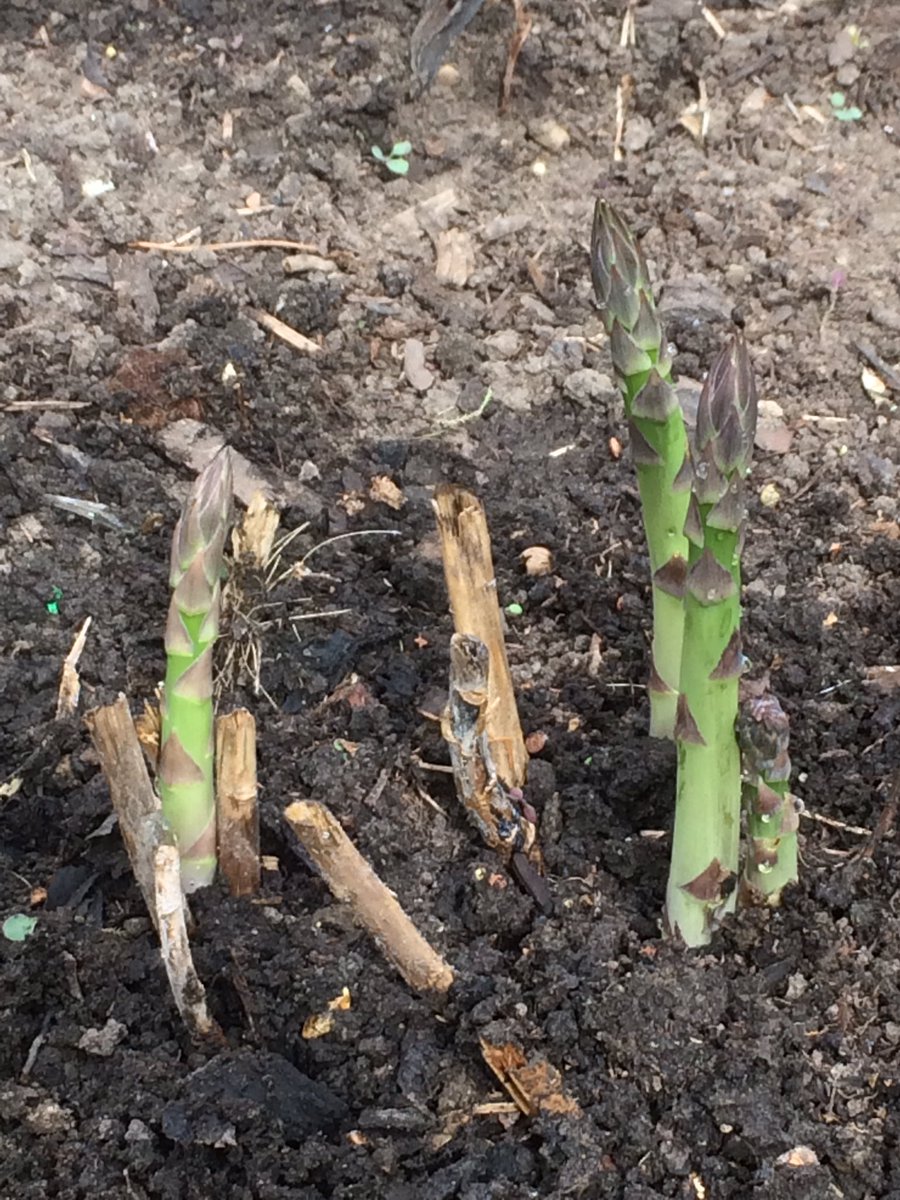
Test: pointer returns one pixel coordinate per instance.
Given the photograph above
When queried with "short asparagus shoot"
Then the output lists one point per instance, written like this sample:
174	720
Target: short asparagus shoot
772	820
658	441
185	769
706	840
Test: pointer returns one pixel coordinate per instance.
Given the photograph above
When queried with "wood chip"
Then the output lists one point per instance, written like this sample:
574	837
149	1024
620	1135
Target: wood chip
885	679
254	539
300	264
455	257
799	1156
535	1087
383	490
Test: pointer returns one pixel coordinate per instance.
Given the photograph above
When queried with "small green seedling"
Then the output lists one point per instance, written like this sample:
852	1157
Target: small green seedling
18	927
839	107
514	610
397	161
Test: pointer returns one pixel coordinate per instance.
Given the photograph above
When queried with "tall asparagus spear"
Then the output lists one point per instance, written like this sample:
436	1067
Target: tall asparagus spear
185	772
705	843
658	440
772	821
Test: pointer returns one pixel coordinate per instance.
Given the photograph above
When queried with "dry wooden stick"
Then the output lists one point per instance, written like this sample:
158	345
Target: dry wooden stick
169	908
286	332
155	862
133	798
469	571
494	811
353	881
244	244
237	811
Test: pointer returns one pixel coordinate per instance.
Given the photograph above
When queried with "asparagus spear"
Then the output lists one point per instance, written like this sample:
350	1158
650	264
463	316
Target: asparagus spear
185	774
772	821
708	798
658	440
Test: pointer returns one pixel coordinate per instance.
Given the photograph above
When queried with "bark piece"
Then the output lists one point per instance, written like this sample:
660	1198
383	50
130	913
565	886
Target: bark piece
237	810
352	880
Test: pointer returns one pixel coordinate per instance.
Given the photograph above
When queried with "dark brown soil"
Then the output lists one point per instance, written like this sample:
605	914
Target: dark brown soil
695	1073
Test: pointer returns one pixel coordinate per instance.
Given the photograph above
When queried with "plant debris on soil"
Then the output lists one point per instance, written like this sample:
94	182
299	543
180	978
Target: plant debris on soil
349	370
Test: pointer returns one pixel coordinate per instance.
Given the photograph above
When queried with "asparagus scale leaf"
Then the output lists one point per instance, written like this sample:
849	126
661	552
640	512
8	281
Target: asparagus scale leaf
185	770
705	845
772	818
659	443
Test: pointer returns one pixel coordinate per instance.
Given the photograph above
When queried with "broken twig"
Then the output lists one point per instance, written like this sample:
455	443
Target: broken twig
293	338
352	880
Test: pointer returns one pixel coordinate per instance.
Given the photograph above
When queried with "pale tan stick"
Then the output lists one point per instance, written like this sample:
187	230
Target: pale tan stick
286	332
469	571
237	811
69	683
188	991
623	96
246	244
133	798
353	881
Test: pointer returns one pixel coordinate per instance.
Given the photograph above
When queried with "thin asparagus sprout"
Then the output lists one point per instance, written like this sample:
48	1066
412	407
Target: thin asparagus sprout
185	775
772	820
705	843
658	441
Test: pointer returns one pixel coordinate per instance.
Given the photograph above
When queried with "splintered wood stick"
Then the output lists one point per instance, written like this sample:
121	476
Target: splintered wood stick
69	683
496	813
169	906
133	798
353	881
154	860
237	811
469	570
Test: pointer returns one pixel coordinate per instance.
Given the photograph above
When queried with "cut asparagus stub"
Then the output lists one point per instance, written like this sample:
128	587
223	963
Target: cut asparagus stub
772	820
185	777
705	844
659	442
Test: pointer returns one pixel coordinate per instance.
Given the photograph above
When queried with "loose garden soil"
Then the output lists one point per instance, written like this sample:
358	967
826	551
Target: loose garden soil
703	1074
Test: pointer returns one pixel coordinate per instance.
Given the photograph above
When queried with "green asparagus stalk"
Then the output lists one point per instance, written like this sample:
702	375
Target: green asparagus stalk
705	844
185	772
658	441
772	820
